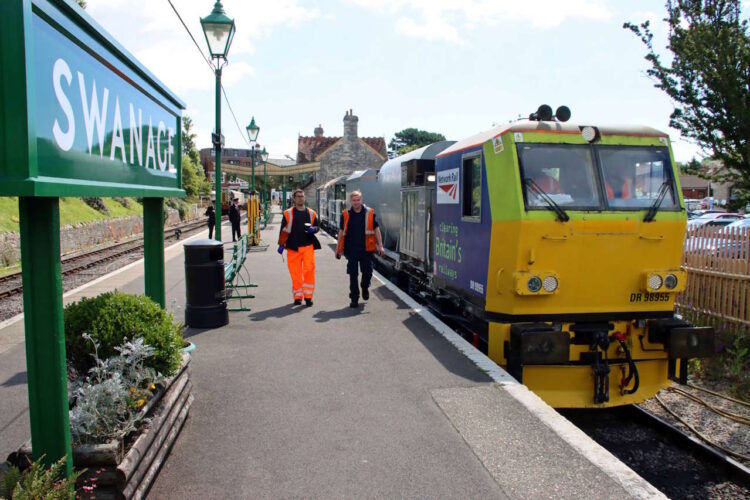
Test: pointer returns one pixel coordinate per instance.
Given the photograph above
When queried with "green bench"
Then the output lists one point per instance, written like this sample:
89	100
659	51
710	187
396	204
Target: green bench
234	280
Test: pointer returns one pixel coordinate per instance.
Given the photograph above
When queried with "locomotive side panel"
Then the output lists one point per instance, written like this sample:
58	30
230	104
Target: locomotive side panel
462	224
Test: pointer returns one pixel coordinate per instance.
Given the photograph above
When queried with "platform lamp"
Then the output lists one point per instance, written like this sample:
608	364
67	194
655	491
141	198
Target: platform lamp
252	133
219	32
266	193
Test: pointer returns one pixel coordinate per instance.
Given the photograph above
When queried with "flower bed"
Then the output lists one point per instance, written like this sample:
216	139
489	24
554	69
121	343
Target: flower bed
126	468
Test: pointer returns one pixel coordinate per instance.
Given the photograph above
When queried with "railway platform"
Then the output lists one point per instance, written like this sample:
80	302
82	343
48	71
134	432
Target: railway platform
328	401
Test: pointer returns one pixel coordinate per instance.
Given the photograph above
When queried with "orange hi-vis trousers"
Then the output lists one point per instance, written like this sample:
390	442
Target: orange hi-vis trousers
301	263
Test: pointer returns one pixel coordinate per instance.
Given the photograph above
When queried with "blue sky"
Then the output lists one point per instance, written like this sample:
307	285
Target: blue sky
454	67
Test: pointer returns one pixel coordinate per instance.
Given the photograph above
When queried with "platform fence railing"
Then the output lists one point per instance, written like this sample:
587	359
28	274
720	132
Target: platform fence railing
717	260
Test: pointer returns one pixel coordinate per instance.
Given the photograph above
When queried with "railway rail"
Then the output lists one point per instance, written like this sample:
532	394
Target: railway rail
11	285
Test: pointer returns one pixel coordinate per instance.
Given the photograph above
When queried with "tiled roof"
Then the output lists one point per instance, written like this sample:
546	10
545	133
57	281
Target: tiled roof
309	148
376	143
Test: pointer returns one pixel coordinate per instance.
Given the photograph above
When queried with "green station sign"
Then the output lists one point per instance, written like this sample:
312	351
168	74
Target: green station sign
79	116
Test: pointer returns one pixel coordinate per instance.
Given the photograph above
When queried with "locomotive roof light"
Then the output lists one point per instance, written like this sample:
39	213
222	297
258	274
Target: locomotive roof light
670	281
589	134
562	114
534	284
550	284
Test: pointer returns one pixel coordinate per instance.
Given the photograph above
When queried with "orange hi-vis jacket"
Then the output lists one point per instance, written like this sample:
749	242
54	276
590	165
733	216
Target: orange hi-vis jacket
371	243
288	214
627	190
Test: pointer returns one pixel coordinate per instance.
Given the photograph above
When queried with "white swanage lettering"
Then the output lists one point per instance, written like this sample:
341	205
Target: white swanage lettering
92	117
135	136
64	139
102	128
118	141
160	129
150	145
170	149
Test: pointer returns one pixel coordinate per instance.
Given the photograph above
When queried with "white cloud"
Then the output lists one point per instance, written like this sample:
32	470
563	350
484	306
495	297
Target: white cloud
442	19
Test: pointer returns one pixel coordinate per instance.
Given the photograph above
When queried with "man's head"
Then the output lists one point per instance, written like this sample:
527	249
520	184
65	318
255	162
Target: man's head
299	198
236	201
355	198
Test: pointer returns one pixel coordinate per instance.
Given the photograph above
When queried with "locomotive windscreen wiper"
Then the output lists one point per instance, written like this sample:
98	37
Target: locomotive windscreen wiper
561	214
657	202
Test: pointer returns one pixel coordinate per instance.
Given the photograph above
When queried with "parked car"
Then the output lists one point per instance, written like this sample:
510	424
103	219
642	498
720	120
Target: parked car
713	219
728	242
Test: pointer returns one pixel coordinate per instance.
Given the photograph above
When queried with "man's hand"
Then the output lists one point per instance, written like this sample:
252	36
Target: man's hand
280	249
381	251
312	230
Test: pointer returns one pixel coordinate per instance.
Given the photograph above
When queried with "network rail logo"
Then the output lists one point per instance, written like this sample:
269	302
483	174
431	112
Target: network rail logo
448	185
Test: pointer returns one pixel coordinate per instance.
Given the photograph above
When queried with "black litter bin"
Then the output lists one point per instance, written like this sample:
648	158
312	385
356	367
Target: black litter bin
206	305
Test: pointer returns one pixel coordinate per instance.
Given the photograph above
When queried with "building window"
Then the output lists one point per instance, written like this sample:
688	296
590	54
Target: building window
471	181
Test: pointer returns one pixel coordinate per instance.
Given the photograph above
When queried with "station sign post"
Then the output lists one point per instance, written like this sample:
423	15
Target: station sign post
79	116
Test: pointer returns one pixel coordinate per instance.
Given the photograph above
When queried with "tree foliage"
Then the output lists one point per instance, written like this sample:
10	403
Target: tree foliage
708	80
194	180
410	139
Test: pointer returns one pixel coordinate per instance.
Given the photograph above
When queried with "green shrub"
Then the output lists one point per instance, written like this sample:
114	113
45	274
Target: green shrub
38	482
115	317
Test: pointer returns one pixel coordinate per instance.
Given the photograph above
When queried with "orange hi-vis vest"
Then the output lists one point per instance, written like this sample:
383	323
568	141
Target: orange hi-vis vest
370	241
625	193
288	214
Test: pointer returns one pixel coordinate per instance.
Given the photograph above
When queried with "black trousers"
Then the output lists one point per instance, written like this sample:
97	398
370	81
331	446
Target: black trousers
358	262
236	229
211	231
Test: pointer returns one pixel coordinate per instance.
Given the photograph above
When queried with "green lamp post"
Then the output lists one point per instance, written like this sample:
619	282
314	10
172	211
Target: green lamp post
252	133
266	194
219	32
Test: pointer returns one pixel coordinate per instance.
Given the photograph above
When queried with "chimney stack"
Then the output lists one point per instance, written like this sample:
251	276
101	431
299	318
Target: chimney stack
319	131
350	125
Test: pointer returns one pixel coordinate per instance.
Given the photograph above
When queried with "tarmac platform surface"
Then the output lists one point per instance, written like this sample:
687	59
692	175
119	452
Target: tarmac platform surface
328	401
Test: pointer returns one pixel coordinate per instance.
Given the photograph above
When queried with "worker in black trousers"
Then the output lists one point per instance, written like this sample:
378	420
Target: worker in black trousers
234	218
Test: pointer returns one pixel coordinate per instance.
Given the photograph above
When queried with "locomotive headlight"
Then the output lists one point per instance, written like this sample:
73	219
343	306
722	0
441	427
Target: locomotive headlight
664	280
670	281
534	284
549	284
588	134
537	283
654	282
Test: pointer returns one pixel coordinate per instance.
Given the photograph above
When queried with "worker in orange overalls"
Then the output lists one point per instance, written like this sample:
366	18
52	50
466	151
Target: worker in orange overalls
297	235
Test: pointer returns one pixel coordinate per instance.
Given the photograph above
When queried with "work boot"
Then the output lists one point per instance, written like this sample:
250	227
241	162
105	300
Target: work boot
297	302
353	304
308	302
365	294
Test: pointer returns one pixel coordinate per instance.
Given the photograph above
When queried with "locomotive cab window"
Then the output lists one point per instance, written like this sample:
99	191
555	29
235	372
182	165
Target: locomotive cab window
634	177
562	173
471	182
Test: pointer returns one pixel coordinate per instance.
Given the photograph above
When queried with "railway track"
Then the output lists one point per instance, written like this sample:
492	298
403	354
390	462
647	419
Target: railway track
11	285
676	463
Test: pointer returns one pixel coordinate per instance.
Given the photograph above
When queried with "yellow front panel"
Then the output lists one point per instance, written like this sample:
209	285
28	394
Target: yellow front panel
600	260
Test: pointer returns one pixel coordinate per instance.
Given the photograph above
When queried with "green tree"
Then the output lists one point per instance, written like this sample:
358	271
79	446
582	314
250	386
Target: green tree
708	80
410	139
188	139
194	182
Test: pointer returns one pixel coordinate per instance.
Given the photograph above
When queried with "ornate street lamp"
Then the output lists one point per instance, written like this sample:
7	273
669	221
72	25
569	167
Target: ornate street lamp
252	133
219	32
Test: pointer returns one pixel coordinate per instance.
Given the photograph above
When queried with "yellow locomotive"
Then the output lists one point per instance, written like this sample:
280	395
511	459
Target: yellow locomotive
559	245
